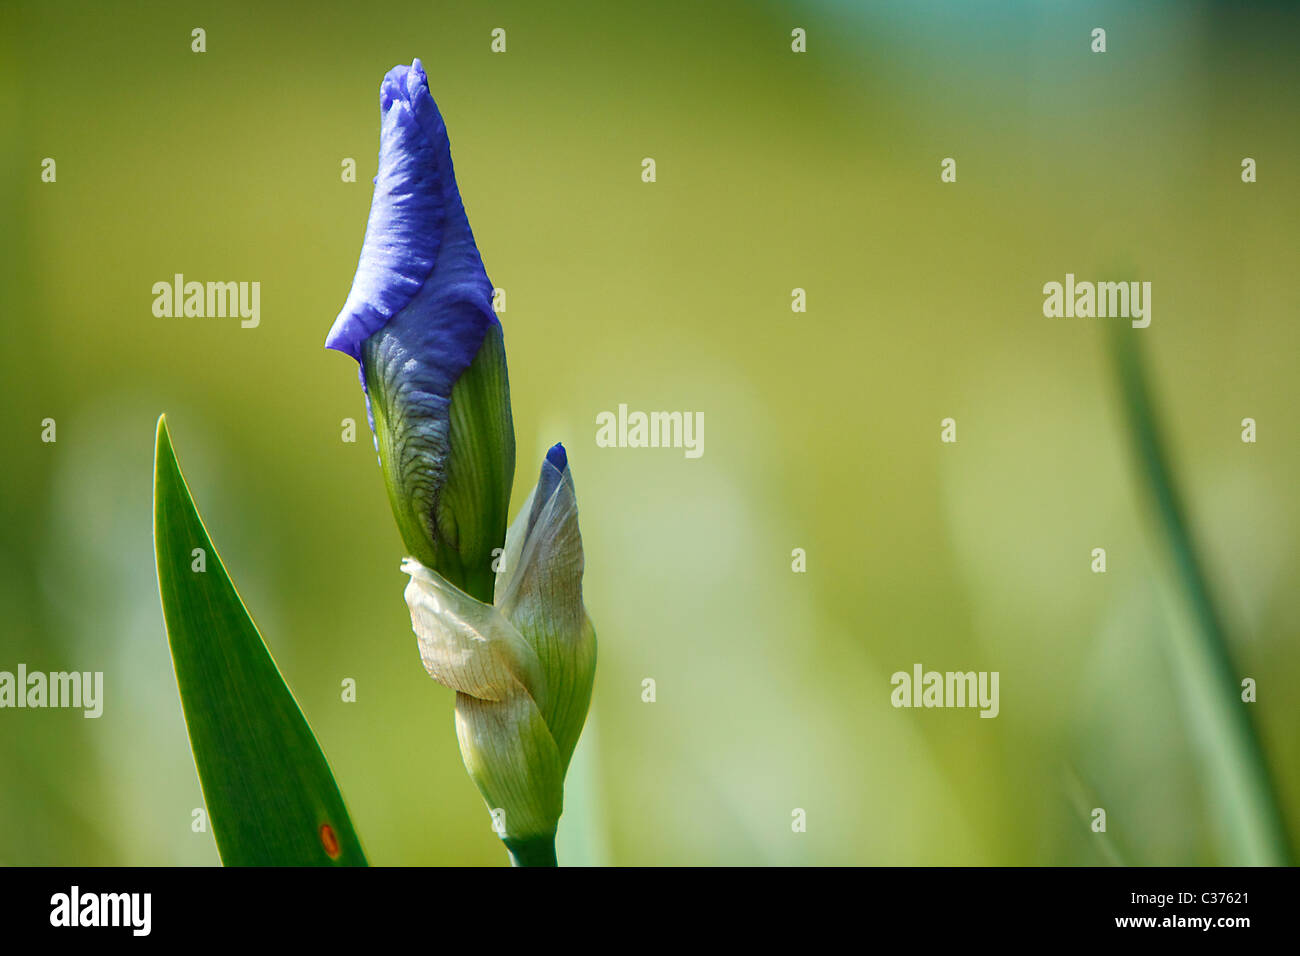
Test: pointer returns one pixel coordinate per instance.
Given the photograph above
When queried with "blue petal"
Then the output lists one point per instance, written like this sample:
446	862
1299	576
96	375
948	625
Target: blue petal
418	240
554	468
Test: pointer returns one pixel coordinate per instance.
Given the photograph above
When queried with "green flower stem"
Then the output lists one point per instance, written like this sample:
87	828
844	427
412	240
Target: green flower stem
536	852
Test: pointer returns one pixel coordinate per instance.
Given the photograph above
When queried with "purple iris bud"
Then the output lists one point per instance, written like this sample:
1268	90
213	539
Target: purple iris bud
420	323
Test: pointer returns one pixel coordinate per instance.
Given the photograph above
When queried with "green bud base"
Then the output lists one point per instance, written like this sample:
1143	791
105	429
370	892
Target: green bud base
535	852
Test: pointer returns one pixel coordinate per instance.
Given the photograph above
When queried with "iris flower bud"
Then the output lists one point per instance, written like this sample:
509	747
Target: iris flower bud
419	321
522	667
510	635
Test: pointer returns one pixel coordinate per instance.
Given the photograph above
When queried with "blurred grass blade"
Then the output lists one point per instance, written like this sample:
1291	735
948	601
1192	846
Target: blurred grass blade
270	796
1082	800
1237	777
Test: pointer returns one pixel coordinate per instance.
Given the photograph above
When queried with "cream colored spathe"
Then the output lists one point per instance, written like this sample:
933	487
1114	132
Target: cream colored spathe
523	666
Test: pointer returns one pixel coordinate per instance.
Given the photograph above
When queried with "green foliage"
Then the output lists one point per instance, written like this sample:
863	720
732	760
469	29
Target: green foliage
270	795
1235	769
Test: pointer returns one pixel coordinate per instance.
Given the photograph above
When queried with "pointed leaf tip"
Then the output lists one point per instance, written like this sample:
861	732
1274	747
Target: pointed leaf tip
267	788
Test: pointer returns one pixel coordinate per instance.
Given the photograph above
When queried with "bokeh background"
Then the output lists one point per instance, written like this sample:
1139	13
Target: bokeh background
775	170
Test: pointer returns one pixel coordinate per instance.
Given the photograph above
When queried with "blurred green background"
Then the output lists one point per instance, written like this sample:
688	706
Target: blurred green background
775	170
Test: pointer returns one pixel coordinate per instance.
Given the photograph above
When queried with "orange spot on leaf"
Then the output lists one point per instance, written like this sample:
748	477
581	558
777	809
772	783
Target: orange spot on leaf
330	841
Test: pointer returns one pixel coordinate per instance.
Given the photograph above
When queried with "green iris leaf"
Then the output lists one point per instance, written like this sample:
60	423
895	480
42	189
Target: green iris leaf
270	795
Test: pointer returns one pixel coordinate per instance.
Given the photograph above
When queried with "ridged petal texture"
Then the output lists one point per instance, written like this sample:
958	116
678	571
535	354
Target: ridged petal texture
418	230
